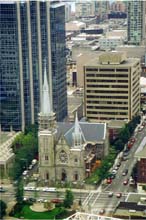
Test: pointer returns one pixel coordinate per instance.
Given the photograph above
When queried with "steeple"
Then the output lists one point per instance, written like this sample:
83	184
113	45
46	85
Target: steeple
46	108
77	135
47	119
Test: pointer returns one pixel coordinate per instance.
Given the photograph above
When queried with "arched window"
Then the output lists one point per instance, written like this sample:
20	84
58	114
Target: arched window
76	160
47	176
76	177
63	175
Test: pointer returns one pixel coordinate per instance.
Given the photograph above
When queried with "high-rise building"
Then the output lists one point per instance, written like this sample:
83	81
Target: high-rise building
136	22
32	33
84	8
112	87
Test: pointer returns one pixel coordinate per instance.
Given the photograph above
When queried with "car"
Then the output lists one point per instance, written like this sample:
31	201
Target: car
131	181
125	153
37	189
56	200
25	172
126	182
110	194
31	199
112	176
30	167
109	181
34	161
124	158
102	211
114	171
46	189
29	188
116	168
118	195
143	123
40	200
124	173
118	164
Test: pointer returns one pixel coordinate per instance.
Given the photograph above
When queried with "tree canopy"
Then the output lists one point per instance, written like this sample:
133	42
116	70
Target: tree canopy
3	207
68	201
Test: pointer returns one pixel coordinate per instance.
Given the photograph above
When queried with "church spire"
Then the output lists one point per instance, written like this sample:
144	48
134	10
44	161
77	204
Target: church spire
77	135
77	126
46	107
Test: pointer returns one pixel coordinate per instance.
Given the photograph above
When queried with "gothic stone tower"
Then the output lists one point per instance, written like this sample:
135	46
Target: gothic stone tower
46	136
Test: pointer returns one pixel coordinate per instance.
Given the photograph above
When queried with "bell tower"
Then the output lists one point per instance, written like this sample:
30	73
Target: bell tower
46	136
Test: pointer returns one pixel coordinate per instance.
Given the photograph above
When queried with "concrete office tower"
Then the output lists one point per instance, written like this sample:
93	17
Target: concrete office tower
102	8
136	22
112	87
31	32
84	8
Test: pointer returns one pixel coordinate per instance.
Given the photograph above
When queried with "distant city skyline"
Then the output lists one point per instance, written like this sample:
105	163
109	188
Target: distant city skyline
72	3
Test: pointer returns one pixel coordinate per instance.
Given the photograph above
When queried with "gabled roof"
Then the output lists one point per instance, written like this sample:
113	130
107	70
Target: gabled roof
91	132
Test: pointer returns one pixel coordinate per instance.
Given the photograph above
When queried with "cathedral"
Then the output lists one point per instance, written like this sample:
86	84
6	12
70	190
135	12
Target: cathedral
67	151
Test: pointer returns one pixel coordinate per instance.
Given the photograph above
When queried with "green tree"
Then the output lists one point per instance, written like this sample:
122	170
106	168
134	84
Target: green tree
19	191
119	145
3	207
124	134
68	201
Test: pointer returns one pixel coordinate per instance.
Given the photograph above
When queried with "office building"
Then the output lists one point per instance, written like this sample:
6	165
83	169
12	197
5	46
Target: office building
112	87
84	8
32	34
136	22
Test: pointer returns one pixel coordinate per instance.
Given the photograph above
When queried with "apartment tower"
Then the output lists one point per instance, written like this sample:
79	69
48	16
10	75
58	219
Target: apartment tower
112	87
32	34
136	22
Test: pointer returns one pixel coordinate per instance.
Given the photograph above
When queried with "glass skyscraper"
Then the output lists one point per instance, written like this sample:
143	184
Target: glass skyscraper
136	22
32	33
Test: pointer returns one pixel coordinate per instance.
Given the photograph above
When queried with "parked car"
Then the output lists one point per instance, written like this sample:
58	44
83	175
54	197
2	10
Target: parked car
114	171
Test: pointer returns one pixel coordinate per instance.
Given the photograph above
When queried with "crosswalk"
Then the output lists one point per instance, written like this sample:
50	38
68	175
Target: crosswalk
96	201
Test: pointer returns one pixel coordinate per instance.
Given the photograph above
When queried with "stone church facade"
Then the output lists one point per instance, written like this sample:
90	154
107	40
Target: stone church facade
67	151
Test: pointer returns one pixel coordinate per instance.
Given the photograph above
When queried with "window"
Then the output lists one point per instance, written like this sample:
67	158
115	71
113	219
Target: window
47	176
46	157
76	176
76	160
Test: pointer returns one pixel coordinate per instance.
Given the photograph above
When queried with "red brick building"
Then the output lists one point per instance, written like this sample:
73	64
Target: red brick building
141	165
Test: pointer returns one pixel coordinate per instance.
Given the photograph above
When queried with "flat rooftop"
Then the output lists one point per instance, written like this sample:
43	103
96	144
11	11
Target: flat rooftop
4	136
128	62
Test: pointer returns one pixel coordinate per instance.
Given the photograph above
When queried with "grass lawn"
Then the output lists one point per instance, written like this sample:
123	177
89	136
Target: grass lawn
27	213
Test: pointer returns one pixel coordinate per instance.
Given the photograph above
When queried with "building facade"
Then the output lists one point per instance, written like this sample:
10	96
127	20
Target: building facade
67	151
136	22
141	166
32	32
112	87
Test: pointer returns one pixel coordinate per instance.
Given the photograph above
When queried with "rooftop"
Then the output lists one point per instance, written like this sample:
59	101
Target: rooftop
6	140
112	59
